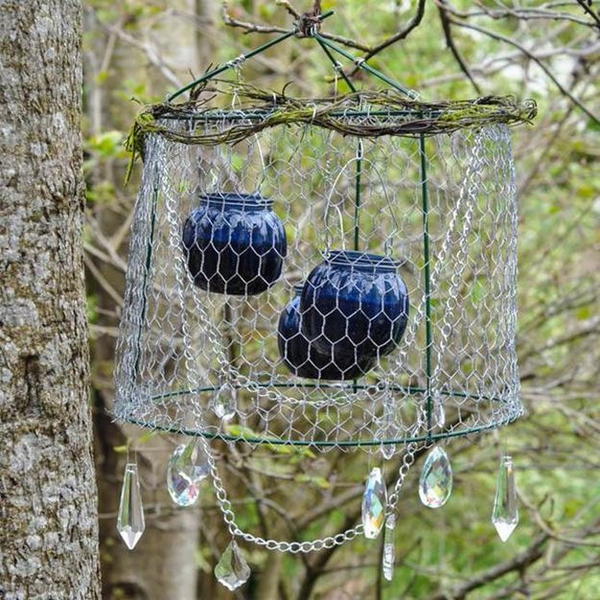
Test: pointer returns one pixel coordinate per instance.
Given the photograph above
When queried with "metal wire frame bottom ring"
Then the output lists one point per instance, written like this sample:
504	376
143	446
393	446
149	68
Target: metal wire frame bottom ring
508	416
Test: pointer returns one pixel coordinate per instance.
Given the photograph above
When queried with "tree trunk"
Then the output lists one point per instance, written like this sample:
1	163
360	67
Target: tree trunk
48	537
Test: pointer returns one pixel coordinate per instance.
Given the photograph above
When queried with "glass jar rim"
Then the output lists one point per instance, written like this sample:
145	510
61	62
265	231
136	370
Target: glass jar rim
236	199
362	260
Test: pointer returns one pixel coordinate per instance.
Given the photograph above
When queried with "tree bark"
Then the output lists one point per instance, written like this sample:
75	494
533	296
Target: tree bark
48	536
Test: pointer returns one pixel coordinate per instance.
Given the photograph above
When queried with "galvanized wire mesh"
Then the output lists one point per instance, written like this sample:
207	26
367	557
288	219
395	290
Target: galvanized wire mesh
201	362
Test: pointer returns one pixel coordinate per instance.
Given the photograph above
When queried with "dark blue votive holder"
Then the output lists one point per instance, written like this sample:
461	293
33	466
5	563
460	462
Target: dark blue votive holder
234	244
356	303
304	360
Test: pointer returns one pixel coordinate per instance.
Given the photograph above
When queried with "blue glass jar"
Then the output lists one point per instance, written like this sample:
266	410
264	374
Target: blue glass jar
304	360
234	244
355	302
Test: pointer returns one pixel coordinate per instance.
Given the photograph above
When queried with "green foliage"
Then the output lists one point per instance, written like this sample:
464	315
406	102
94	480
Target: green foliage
91	308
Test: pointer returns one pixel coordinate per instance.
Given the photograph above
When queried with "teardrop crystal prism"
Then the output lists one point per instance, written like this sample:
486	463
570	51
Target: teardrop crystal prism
389	548
505	515
388	429
373	504
224	402
435	484
438	414
186	469
130	519
388	450
232	570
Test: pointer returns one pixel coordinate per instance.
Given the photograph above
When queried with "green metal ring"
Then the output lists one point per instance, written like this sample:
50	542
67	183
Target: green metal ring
344	443
350	386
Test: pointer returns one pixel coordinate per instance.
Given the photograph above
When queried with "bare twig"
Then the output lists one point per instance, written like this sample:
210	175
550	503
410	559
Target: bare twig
400	35
541	523
108	288
520	13
518	563
345	41
149	50
289	8
249	27
502	38
446	27
589	11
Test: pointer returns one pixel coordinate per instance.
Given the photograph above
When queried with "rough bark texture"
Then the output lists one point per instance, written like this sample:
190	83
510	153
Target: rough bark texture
48	534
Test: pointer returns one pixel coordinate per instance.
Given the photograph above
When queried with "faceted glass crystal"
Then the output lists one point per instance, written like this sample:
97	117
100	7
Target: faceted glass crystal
388	450
435	484
224	402
388	429
232	570
373	504
186	469
505	515
389	548
438	414
130	520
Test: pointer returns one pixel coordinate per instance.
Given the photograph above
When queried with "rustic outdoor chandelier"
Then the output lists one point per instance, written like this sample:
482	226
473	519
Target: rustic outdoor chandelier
335	273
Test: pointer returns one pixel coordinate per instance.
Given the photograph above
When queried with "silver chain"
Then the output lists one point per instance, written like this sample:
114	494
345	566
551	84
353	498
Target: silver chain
313	545
279	545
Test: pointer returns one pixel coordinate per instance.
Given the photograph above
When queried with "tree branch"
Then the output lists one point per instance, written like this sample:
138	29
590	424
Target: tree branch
501	38
518	563
289	8
589	11
400	35
446	27
523	14
246	26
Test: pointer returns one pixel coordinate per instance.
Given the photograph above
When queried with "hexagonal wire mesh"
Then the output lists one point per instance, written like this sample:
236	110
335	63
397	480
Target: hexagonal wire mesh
308	286
189	356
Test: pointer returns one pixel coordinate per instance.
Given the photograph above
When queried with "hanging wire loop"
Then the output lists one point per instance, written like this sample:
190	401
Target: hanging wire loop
228	65
309	22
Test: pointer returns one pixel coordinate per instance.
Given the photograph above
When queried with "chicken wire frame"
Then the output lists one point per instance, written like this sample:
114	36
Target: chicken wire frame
458	354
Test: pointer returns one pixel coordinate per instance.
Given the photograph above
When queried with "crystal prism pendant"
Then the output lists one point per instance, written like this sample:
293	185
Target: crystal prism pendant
438	414
389	548
232	570
388	450
130	520
388	429
224	402
186	469
505	515
373	504
435	483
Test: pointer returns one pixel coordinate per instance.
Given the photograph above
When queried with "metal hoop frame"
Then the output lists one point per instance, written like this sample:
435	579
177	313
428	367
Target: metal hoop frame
328	47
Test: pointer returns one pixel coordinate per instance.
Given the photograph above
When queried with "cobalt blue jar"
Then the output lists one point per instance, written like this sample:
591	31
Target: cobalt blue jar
234	244
304	360
355	302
